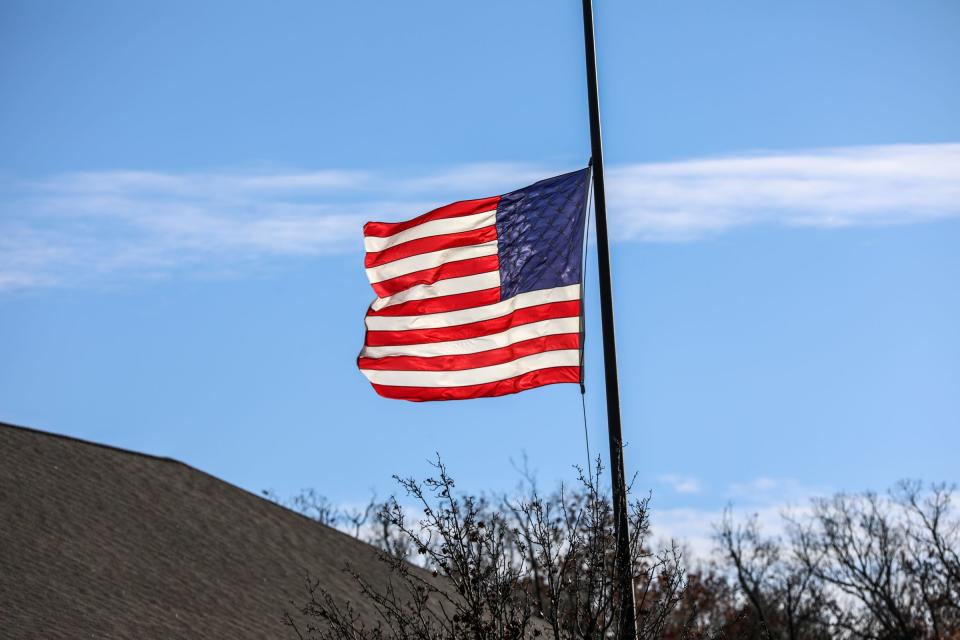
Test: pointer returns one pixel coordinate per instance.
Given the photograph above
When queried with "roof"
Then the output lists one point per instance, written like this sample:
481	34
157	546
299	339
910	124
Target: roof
102	542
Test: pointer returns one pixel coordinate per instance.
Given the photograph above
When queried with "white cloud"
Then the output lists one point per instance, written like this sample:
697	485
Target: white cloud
763	489
82	227
766	498
843	187
216	185
681	484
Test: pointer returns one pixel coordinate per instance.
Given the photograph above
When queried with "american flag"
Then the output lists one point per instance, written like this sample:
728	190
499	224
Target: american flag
480	297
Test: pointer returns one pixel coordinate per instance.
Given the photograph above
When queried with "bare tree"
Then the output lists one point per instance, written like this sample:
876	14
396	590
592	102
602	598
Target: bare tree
931	554
783	593
318	507
569	541
527	567
858	566
532	565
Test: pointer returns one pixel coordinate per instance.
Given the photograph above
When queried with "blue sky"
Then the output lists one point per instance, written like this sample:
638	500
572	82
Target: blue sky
182	188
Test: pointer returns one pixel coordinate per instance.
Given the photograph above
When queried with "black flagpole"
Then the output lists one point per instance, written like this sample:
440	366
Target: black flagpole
623	570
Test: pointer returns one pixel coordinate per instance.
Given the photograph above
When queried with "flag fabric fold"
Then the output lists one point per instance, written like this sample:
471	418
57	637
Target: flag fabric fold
480	297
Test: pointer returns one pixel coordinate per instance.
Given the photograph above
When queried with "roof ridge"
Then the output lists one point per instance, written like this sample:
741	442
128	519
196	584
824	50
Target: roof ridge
150	456
93	443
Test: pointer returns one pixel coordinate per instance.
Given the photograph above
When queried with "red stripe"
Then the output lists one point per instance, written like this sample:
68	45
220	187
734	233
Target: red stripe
519	317
519	383
441	304
473	360
455	210
457	269
431	243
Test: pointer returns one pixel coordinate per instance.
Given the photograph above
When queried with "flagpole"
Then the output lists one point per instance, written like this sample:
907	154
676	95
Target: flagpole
623	569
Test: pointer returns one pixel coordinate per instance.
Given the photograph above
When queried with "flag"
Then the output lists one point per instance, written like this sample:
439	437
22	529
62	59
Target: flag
480	297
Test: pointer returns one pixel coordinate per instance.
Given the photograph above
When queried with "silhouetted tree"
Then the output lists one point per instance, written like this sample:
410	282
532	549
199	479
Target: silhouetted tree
529	567
860	566
851	567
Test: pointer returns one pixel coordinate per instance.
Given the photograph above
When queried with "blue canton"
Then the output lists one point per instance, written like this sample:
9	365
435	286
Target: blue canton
540	234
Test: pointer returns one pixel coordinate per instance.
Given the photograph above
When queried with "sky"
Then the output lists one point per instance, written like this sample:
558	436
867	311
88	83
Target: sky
183	185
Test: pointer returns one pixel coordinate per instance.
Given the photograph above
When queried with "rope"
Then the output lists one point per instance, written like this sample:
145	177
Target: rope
588	208
586	438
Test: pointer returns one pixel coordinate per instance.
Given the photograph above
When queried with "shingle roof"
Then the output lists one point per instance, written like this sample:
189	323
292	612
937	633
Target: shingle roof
99	542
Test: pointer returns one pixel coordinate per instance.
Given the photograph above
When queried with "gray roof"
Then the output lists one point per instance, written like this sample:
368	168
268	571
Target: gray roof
99	542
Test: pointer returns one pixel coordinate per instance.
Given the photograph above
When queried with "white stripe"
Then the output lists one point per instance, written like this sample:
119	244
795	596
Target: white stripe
447	287
432	228
429	260
476	314
480	375
554	326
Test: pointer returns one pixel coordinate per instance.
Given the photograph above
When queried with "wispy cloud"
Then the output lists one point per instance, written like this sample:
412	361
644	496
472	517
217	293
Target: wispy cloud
843	187
681	484
766	498
82	227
